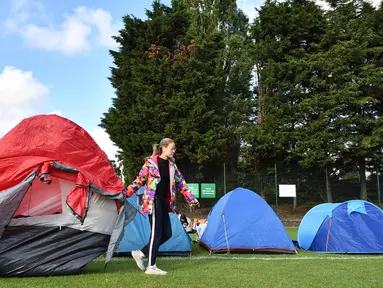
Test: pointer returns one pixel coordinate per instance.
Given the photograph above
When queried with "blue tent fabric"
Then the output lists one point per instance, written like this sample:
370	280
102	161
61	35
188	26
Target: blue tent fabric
311	222
137	234
242	221
350	227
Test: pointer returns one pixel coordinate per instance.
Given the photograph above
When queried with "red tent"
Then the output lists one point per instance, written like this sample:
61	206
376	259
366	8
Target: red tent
39	140
60	198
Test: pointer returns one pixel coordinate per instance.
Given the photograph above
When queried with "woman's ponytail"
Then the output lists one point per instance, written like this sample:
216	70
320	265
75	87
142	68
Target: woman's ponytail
156	149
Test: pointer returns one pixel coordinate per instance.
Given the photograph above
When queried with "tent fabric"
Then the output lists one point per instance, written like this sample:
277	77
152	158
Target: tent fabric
43	138
350	227
126	215
46	250
242	221
137	234
56	180
102	212
311	222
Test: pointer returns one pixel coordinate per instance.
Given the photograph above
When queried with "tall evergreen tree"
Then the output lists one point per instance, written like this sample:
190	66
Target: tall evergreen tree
351	62
138	115
172	81
233	97
284	34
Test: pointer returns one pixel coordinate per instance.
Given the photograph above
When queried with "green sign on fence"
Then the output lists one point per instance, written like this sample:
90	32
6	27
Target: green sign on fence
194	188
208	190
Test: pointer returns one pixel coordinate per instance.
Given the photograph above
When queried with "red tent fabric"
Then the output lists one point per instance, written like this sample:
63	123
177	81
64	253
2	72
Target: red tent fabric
44	138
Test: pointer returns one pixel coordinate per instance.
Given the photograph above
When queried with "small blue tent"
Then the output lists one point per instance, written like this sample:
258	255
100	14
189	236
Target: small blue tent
354	226
137	234
242	221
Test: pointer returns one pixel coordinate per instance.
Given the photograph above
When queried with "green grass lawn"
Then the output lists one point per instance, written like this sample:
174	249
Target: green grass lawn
292	232
306	269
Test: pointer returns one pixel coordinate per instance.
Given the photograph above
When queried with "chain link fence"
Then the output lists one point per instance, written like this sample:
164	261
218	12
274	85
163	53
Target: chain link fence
313	186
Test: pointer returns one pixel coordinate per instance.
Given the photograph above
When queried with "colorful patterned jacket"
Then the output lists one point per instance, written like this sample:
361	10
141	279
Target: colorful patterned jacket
149	175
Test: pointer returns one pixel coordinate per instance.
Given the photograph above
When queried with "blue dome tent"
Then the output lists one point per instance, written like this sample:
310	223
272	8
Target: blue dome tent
354	226
137	234
241	221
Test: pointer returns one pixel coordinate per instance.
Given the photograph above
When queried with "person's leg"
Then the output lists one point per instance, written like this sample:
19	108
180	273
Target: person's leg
156	232
166	227
145	249
139	255
156	238
151	248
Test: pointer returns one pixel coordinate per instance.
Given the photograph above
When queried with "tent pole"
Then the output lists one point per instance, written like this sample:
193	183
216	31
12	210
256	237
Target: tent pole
276	189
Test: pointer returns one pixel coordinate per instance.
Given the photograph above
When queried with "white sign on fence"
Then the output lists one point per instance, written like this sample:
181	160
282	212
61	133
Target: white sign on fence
287	190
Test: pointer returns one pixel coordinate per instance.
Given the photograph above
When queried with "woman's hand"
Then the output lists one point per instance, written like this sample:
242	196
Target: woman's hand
195	203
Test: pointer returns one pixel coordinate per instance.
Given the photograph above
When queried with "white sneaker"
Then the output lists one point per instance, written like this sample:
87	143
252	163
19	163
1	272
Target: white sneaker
153	270
138	256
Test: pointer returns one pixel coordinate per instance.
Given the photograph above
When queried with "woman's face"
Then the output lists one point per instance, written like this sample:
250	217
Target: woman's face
169	150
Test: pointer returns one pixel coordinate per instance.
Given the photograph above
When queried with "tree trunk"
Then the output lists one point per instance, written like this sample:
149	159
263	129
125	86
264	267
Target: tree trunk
260	97
329	192
262	190
362	178
295	199
328	185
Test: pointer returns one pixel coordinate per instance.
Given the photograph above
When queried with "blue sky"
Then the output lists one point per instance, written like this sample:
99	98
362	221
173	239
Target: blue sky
54	59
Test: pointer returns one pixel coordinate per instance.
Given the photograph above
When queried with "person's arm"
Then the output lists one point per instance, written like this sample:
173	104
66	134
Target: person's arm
182	187
138	182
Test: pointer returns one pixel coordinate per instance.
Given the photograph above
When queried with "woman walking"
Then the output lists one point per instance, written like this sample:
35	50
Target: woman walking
162	179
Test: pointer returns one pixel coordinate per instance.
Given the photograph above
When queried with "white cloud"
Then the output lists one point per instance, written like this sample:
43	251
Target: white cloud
248	7
323	4
104	23
77	32
102	139
23	11
71	38
376	3
20	95
56	112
